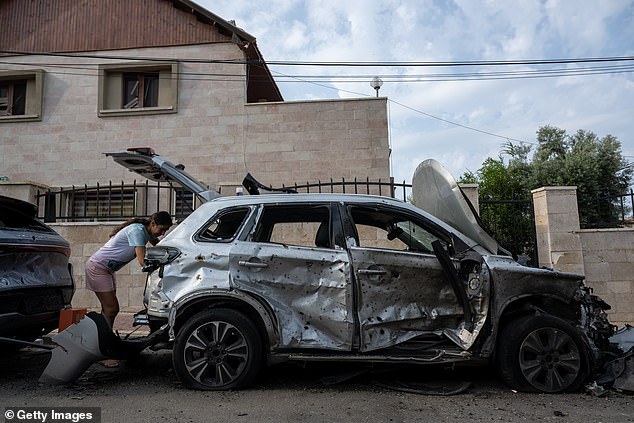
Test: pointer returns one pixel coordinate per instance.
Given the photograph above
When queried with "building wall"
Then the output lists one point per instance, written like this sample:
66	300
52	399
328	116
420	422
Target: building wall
608	257
85	239
215	134
604	256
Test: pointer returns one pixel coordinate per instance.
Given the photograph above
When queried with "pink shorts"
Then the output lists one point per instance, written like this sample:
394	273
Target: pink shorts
100	278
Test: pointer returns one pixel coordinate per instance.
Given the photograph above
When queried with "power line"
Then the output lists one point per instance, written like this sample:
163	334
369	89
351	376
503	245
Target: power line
319	80
342	64
395	78
458	63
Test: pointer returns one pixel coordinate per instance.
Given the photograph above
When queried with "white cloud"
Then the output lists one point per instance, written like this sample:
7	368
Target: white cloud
427	30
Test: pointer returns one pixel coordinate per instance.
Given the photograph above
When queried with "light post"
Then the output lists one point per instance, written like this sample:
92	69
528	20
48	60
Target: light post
376	84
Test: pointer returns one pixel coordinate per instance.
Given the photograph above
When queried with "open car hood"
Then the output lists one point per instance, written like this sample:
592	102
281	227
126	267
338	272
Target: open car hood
437	192
150	165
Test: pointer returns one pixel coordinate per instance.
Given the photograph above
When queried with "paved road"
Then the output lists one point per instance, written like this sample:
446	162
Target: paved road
146	390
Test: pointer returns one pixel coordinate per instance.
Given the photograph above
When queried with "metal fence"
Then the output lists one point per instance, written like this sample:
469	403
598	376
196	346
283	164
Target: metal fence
608	211
112	202
400	190
512	224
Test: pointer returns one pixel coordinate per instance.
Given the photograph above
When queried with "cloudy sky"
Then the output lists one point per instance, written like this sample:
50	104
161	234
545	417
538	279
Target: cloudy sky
455	114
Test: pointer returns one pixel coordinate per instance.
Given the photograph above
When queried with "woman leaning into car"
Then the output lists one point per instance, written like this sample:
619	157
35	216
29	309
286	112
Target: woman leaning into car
126	242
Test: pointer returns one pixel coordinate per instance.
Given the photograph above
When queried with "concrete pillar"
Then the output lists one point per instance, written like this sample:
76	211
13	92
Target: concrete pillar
25	191
557	227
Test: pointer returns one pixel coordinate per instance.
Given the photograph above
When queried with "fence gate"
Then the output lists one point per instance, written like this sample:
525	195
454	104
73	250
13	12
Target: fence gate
512	224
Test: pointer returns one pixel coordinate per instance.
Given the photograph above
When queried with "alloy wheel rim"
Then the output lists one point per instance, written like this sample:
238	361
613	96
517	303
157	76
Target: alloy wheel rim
216	353
549	359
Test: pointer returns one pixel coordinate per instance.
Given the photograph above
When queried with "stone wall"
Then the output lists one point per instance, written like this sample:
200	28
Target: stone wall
85	239
214	133
608	257
25	191
557	225
604	256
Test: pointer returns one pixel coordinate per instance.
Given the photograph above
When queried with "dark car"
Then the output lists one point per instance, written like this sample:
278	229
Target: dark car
35	276
247	281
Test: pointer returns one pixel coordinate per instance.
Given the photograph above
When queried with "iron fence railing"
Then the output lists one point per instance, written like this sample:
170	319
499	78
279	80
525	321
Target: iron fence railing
400	190
610	211
512	224
112	202
120	201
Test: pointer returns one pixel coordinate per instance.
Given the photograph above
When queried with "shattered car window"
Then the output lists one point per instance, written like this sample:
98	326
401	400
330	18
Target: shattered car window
224	226
291	225
388	230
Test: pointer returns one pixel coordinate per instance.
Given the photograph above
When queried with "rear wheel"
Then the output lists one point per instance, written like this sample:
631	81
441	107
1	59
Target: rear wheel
542	354
218	349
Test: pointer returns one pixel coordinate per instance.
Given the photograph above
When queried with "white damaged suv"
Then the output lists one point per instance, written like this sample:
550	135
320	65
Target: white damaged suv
246	281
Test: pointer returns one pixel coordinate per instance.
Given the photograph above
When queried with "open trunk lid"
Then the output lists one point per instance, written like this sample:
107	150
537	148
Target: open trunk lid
150	165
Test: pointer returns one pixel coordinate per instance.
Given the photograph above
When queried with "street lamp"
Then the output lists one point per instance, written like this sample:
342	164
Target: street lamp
376	84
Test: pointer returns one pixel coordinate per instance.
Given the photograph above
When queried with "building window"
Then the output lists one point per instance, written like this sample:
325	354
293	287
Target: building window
12	98
141	88
103	204
20	96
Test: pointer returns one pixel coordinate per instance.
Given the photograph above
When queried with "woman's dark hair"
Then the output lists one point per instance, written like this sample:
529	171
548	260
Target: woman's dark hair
162	218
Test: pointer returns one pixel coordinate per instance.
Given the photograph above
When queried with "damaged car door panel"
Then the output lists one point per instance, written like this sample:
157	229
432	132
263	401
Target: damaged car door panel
247	281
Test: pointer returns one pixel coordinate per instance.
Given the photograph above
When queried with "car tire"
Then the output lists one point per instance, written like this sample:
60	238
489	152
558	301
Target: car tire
217	349
542	354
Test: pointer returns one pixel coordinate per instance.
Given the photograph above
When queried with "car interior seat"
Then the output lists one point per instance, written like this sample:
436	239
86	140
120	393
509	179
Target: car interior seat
322	237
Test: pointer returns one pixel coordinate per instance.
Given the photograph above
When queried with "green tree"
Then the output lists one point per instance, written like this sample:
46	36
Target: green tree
500	180
594	165
505	181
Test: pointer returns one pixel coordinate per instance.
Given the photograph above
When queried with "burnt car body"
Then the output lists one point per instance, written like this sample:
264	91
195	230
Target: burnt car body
249	280
35	276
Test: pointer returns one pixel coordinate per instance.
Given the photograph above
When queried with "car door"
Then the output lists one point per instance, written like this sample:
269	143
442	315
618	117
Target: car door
402	289
292	263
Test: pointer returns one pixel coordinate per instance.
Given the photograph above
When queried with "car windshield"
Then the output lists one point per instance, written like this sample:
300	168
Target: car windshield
11	219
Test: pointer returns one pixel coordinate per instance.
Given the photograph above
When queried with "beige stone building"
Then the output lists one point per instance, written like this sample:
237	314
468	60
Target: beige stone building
173	76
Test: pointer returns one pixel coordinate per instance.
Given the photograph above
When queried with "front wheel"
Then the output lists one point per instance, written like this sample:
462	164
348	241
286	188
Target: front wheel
542	354
217	349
